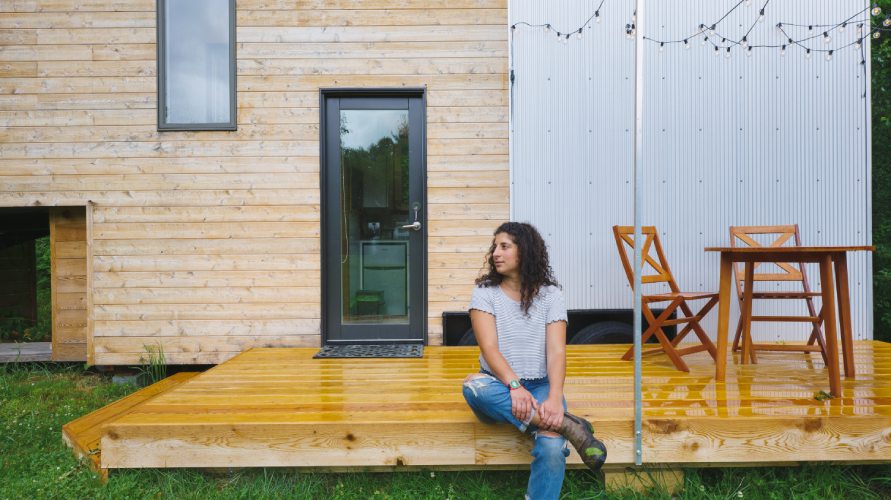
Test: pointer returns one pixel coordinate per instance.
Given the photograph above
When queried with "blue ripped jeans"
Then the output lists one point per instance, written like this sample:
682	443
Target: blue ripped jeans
490	401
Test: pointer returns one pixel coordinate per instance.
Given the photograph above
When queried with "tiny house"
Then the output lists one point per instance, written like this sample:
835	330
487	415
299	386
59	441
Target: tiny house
223	175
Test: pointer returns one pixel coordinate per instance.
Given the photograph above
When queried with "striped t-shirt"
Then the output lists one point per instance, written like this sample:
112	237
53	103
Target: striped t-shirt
521	337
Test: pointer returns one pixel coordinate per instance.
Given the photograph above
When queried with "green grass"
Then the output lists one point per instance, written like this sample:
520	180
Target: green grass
36	400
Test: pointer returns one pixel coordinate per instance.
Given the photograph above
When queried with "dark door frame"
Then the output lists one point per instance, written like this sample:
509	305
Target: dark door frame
402	92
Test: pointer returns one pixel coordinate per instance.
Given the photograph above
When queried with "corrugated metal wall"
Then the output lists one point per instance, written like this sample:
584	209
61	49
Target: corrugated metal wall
759	140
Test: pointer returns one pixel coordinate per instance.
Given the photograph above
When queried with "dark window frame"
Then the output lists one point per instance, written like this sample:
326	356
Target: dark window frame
163	125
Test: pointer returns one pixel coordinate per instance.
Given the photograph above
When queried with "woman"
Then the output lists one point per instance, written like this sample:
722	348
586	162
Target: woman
519	320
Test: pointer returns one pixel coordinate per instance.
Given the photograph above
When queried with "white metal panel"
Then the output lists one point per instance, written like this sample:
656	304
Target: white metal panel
759	140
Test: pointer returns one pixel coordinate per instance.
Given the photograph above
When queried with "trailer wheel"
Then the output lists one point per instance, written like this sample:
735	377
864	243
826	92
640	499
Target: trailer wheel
468	339
605	332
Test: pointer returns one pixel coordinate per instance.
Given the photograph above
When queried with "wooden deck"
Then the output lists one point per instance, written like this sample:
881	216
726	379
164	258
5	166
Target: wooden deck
280	407
24	352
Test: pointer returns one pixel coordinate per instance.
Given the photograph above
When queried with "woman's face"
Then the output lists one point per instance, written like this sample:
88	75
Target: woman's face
506	255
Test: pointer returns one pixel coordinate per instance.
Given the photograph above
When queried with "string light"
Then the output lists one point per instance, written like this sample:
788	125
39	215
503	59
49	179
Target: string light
708	33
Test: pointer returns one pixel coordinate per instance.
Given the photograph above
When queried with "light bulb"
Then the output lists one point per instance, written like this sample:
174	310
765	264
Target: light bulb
749	52
876	34
661	46
829	56
597	15
717	51
876	10
887	22
860	29
858	43
761	16
744	43
826	37
727	53
807	55
703	41
748	2
686	45
783	50
841	29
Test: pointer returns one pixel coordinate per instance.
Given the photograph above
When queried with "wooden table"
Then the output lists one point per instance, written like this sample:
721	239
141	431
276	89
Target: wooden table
828	258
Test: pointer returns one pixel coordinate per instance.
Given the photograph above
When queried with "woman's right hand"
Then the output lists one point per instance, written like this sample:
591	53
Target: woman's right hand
522	403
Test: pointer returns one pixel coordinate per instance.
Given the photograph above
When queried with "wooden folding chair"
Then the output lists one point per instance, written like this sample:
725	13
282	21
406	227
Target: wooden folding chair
677	299
786	235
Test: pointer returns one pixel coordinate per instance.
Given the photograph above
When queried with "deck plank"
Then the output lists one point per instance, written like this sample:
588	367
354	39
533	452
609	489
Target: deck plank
83	434
280	407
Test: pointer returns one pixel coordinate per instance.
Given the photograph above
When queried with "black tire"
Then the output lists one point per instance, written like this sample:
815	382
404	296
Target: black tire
468	338
605	332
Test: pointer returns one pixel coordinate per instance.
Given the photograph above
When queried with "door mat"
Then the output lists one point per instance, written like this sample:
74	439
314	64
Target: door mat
371	351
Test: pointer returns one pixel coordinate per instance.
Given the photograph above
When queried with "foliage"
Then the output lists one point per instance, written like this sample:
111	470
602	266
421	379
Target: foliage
154	363
44	295
881	181
15	327
37	399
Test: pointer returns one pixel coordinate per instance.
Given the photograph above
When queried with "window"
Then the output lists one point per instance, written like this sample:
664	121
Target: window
196	64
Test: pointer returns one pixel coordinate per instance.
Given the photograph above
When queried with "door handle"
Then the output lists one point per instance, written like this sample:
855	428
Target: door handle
416	225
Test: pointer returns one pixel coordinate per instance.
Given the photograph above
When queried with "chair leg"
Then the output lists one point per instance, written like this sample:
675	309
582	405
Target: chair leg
817	332
739	326
671	352
656	329
817	336
697	328
654	323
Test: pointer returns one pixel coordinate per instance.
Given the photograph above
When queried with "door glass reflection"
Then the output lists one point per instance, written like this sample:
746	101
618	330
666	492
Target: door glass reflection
374	193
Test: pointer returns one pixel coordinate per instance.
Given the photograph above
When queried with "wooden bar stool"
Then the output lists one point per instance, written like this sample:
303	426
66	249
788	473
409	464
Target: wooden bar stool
783	272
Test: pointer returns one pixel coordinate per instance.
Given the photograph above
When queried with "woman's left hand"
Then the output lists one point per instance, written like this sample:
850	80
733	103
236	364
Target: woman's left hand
550	414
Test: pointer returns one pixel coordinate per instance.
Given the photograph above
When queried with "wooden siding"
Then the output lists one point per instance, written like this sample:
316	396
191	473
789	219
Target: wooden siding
207	243
68	282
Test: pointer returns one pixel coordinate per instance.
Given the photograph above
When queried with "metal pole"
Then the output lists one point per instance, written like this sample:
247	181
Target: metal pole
638	242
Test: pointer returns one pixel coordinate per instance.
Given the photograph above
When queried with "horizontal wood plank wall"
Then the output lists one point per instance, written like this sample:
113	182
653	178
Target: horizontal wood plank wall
207	243
68	282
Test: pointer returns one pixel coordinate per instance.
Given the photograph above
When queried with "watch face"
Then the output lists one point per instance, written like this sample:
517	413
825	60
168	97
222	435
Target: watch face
514	384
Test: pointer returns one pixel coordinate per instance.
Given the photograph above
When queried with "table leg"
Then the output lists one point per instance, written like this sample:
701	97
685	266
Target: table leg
844	313
827	289
746	316
723	317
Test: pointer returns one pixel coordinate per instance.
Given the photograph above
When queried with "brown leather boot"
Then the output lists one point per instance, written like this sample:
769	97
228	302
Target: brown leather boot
580	433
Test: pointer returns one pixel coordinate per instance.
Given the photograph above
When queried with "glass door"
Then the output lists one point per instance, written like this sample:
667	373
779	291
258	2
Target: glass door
374	219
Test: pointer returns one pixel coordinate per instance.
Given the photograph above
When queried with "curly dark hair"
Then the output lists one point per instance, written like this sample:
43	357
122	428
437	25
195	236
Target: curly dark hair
535	267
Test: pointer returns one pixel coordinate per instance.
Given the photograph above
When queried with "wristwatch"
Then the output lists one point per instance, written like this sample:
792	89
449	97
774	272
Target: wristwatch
514	384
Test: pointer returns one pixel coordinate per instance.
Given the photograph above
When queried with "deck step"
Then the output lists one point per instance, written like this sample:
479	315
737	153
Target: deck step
83	435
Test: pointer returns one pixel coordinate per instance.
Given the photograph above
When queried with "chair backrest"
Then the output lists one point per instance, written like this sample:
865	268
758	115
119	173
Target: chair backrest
779	236
655	267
